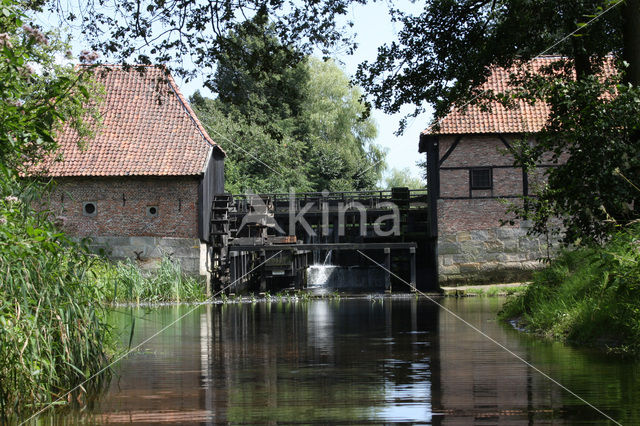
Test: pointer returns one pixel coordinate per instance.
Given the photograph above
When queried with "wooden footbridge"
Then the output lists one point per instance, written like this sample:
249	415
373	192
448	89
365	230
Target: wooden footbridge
266	241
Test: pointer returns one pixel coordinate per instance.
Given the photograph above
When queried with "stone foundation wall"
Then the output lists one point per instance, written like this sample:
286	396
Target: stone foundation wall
494	255
149	251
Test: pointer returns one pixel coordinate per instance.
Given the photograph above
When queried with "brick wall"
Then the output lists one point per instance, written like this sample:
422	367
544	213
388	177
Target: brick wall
122	228
121	206
473	246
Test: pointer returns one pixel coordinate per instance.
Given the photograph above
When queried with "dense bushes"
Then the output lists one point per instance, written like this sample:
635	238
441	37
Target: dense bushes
589	296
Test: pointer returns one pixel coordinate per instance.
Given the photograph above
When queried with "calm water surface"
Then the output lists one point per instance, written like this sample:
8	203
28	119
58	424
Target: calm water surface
357	361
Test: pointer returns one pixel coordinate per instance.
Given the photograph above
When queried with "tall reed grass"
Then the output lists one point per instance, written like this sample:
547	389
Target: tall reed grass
589	296
53	329
125	282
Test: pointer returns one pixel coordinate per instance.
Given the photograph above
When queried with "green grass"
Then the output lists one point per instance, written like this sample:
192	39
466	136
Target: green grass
493	291
588	296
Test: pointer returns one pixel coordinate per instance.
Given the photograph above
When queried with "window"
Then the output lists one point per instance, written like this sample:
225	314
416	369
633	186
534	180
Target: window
152	211
481	178
89	208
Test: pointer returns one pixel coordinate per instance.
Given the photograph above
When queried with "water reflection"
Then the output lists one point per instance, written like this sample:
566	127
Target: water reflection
357	360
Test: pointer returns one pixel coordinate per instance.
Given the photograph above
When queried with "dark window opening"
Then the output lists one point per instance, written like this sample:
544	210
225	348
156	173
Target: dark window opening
89	209
152	211
481	178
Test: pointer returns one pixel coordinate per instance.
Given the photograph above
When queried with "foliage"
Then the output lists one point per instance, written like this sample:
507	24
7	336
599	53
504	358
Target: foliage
588	296
164	31
37	95
443	55
287	121
595	128
402	178
126	282
53	332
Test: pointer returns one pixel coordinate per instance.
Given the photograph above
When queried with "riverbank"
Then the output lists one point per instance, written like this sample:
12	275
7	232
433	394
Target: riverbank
588	296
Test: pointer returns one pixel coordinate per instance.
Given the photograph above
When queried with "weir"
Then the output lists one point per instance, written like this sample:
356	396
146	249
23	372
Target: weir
267	242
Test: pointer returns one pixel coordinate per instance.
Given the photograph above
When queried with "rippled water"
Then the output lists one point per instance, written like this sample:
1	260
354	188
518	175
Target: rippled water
360	361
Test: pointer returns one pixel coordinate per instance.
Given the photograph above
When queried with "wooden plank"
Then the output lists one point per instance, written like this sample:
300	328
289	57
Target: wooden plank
325	246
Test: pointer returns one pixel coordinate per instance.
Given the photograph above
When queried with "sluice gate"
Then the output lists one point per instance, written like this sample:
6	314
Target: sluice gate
266	242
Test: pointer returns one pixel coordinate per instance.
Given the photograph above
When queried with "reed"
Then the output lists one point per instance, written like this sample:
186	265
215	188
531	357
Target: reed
125	282
53	329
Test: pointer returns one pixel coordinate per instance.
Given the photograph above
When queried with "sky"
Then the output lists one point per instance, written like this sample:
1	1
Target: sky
373	27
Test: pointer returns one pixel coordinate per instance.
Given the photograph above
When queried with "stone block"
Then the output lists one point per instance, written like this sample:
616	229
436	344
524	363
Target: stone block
449	270
190	266
529	244
463	236
462	258
448	248
446	260
493	246
178	242
490	257
472	247
142	241
514	257
532	265
510	245
479	235
504	233
449	238
186	252
490	266
467	268
112	241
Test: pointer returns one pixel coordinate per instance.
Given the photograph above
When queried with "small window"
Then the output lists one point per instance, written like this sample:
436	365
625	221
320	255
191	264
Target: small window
89	208
481	178
152	211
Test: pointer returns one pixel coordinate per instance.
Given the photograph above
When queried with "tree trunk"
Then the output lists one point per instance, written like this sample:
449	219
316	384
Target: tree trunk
631	40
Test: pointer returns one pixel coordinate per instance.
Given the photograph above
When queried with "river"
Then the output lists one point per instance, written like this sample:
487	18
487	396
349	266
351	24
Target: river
363	360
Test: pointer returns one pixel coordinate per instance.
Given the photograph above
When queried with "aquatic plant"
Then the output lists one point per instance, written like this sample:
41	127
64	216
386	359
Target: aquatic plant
126	282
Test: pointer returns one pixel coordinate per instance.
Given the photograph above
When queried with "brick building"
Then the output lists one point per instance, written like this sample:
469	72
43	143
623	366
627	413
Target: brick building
471	177
142	187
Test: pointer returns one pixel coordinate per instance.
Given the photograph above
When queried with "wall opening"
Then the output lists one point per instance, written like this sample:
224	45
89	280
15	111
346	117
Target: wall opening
89	208
152	211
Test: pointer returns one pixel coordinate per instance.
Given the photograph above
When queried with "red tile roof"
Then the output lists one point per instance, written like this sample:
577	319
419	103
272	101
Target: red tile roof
148	128
523	117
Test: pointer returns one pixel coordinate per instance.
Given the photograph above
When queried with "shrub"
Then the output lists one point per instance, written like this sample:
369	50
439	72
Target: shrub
588	296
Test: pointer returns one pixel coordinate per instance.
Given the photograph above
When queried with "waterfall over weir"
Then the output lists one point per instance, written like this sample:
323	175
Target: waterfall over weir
319	275
325	277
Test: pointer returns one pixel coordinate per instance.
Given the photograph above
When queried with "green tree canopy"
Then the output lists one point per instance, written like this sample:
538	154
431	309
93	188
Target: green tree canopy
402	178
286	120
444	55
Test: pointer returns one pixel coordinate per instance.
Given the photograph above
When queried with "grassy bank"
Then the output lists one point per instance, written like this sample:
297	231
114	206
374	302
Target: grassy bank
588	296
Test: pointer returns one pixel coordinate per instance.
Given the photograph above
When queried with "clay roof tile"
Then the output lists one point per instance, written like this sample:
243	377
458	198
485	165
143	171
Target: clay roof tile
148	128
